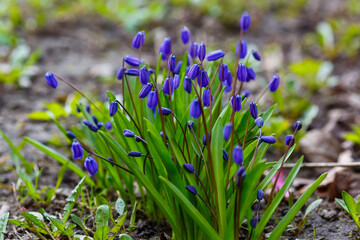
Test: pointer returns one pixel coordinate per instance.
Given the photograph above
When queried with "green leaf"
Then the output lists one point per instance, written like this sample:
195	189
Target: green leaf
281	227
191	209
342	204
132	218
312	206
79	222
352	206
34	219
101	233
120	206
125	237
72	199
39	115
3	222
102	216
120	222
62	227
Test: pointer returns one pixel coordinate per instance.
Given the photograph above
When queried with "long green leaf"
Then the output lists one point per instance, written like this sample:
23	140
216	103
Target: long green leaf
3	222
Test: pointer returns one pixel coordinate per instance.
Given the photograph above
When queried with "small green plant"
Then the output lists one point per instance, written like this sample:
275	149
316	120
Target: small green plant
3	223
352	207
353	136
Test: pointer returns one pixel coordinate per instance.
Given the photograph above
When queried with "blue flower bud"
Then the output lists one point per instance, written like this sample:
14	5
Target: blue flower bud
185	35
77	150
144	75
240	171
268	139
241	72
113	108
134	154
152	100
245	94
87	122
145	91
215	55
203	79
139	139
194	71
151	70
274	83
241	49
207	98
99	125
132	72
111	160
289	139
91	165
238	155
138	40
251	75
51	80
108	126
178	67
120	73
190	124
236	103
191	189
162	135
77	108
161	50
298	125
70	134
95	119
193	49
188	167
227	131
260	195
225	155
93	128
228	82
256	55
165	111
245	21
128	133
87	108
259	122
201	52
223	72
195	110
187	84
132	61
204	139
167	46
172	63
168	84
253	222
176	81
253	109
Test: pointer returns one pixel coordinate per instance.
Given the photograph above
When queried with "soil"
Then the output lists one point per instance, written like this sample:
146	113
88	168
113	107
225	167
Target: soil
86	51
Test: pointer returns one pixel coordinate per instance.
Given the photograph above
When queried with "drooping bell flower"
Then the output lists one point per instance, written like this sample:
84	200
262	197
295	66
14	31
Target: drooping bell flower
93	128
187	84
165	111
190	124
138	40
236	103
91	165
95	119
77	150
245	94
145	91
225	155
195	110
87	108
113	108
176	81
201	52
172	63
274	83
251	75
152	100
132	61
298	125
178	67
87	122
191	189
253	222
108	126
259	122
134	154
260	195
228	82
194	71
99	125
253	109
188	167
120	73
144	75
245	21
207	98
51	80
256	55
132	72
162	52
241	72
70	134
204	139
167	46
227	131
240	172
128	133
238	155
185	35
268	139
223	72
215	55
289	139
203	79
168	87
241	49
193	49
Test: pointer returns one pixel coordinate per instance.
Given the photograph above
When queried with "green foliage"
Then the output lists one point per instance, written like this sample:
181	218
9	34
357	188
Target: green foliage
3	223
352	207
354	136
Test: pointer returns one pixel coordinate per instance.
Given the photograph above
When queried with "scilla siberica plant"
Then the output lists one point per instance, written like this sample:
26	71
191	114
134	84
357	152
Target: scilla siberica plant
199	157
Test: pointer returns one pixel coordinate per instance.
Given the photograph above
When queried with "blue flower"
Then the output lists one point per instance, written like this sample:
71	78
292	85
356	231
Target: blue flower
168	84
145	91
87	122
185	35
167	46
194	71
274	83
268	139
144	75
87	108
227	131
256	55
108	125
77	150
132	61
203	79
253	222
176	81
152	100
138	40
187	84
238	155
223	72
132	72
172	63
259	122
191	189
228	82
178	67
245	21
193	49
207	98
165	111
188	167
204	139
215	55
225	155
245	94
128	133
253	109
51	80
241	49
289	139
195	110
201	52
113	108
241	72
134	154
236	103
260	195
70	134
120	73
190	124
298	125
91	165
251	75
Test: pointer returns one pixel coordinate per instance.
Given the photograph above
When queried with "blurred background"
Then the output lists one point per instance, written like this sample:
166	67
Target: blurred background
314	45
